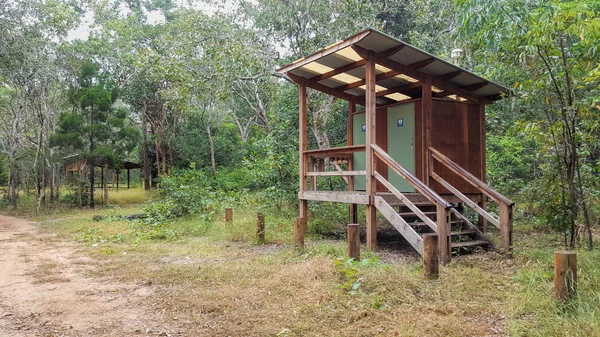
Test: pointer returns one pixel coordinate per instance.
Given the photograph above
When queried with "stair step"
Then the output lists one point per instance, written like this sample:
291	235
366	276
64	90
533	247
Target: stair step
464	232
420	223
469	244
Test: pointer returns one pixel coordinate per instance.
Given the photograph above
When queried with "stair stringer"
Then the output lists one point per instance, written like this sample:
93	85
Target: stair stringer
415	240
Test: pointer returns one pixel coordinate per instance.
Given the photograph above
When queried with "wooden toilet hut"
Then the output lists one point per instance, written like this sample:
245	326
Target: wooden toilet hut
416	141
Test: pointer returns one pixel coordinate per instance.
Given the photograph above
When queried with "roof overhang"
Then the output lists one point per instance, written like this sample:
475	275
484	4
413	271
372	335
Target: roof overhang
339	70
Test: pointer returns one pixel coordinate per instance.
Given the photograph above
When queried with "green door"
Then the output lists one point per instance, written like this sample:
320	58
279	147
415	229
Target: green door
401	142
359	137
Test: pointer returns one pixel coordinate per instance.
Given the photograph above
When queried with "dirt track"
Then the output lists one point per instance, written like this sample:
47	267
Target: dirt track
44	291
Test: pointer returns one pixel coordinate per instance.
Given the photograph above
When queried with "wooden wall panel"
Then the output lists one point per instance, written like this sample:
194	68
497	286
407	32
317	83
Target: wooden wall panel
456	132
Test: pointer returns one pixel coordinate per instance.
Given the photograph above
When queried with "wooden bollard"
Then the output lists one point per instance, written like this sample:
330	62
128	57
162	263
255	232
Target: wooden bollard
354	241
228	214
431	261
565	275
299	231
260	227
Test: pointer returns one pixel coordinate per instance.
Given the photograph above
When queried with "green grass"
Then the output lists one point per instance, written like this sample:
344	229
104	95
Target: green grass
213	271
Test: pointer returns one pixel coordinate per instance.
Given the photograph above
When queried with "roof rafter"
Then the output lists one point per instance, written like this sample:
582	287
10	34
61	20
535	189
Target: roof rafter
421	76
400	89
338	71
323	88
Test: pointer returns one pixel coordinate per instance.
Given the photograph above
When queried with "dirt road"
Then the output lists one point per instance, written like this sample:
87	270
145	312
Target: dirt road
46	290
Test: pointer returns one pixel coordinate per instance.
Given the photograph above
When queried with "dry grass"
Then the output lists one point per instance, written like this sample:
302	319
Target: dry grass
216	281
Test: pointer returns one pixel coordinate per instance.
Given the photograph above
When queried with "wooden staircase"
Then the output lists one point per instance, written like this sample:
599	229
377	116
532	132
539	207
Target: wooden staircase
465	237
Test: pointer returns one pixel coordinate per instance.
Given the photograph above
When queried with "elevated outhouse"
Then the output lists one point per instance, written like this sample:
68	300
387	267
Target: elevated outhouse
416	141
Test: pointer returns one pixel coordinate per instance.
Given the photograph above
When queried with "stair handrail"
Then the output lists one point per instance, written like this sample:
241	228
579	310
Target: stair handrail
505	221
418	185
470	178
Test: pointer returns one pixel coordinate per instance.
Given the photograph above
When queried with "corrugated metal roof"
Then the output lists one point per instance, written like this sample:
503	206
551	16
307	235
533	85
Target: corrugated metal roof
447	77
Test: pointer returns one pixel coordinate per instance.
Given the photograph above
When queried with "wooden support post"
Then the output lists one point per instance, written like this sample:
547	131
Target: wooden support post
427	121
302	140
431	262
506	222
299	231
228	214
354	241
350	137
565	275
444	231
260	227
370	111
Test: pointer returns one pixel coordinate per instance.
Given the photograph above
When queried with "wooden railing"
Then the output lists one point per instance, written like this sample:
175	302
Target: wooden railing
317	158
442	228
504	223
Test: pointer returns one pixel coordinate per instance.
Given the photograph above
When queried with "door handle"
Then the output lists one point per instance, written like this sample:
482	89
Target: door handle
412	140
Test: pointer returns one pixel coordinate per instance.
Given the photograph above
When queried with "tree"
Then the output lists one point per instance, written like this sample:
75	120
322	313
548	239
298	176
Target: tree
95	128
548	50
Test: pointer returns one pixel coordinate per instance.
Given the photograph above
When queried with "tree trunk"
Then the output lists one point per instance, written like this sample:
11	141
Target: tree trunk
146	154
212	150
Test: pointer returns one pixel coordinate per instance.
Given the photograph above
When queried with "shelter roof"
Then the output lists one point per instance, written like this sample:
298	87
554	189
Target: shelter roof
339	70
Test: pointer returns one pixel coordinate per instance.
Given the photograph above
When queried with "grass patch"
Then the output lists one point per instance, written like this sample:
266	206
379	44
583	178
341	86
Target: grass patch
216	278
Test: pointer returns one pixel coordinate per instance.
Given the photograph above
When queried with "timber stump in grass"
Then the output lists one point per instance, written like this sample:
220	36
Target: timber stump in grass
354	241
260	227
431	261
228	214
299	231
565	275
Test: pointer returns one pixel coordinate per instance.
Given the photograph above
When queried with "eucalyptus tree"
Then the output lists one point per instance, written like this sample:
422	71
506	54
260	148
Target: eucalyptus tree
548	51
31	32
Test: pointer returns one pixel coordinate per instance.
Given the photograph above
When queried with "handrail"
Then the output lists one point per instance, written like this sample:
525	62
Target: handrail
336	174
412	180
471	179
403	199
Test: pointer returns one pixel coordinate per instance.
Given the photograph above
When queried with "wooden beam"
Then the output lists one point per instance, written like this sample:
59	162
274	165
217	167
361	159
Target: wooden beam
302	142
335	196
322	53
370	112
421	64
354	241
474	87
400	89
444	234
350	137
565	275
320	87
338	71
400	224
449	76
442	84
431	262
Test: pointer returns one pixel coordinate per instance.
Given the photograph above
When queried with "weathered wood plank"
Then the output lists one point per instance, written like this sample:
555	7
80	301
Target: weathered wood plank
404	228
343	197
444	230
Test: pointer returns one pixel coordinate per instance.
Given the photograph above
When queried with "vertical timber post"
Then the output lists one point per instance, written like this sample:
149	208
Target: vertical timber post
443	223
302	144
427	115
370	110
260	227
350	137
506	222
431	261
565	275
299	231
354	241
481	221
228	215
